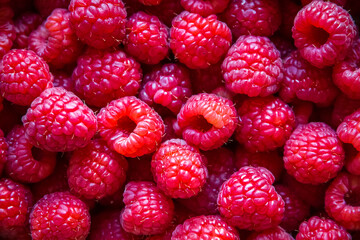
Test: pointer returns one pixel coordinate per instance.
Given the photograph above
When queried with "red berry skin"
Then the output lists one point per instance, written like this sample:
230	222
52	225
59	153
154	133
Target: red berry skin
207	121
104	75
352	159
313	154
248	200
206	80
323	32
205	227
179	169
45	7
3	151
284	45
70	125
343	106
147	210
60	215
150	2
64	80
199	42
99	24
303	111
275	233
205	7
24	25
23	76
166	10
348	131
7	36
130	127
253	67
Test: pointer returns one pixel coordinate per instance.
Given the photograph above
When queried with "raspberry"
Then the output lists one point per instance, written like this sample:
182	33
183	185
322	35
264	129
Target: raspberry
289	9
275	233
150	2
96	171
140	169
24	25
130	127
147	210
24	162
264	123
248	200
206	80
3	151
306	82
207	121
104	75
167	87
179	169
253	17
23	76
313	154
348	131
205	227
284	45
166	10
323	32
146	38
45	7
338	2
205	7
303	111
343	106
7	36
199	42
64	80
59	121
317	228
55	40
171	130
59	215
253	67
100	24
114	200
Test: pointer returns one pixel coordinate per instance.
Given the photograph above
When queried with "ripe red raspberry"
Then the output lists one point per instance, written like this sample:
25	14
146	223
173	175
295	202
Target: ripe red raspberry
206	80
100	24
171	128
306	82
179	169
64	80
313	154
24	162
165	11
147	210
146	38
253	17
59	215
205	7
95	171
55	40
207	121
166	87
343	106
199	42
130	127
45	7
275	233
23	76
317	228
150	2
253	67
24	25
264	123
205	227
59	121
104	75
7	36
3	151
348	130
323	32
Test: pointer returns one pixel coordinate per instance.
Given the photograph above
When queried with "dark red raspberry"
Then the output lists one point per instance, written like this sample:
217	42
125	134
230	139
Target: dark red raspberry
104	75
206	80
7	36
167	87
352	159
205	7
289	9
147	210
207	121
64	80
59	215
338	2
253	17
303	111
284	45
55	40
264	123
317	228
100	24
140	169
147	39
306	82
205	227
130	127
24	162
171	128
45	7
24	25
179	169
275	233
199	42
114	200
248	200
323	32
313	154
150	2
59	121
9	117
6	11
165	11
3	151
253	67
23	76
343	106
348	130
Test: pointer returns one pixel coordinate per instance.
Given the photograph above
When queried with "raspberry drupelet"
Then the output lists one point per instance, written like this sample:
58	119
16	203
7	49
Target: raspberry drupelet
64	80
275	233
323	32
207	121
24	25
130	127
253	67
45	7
205	7
348	130
3	151
59	121
23	76
100	24
147	210
179	169
248	200
199	42
7	36
59	215
104	75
